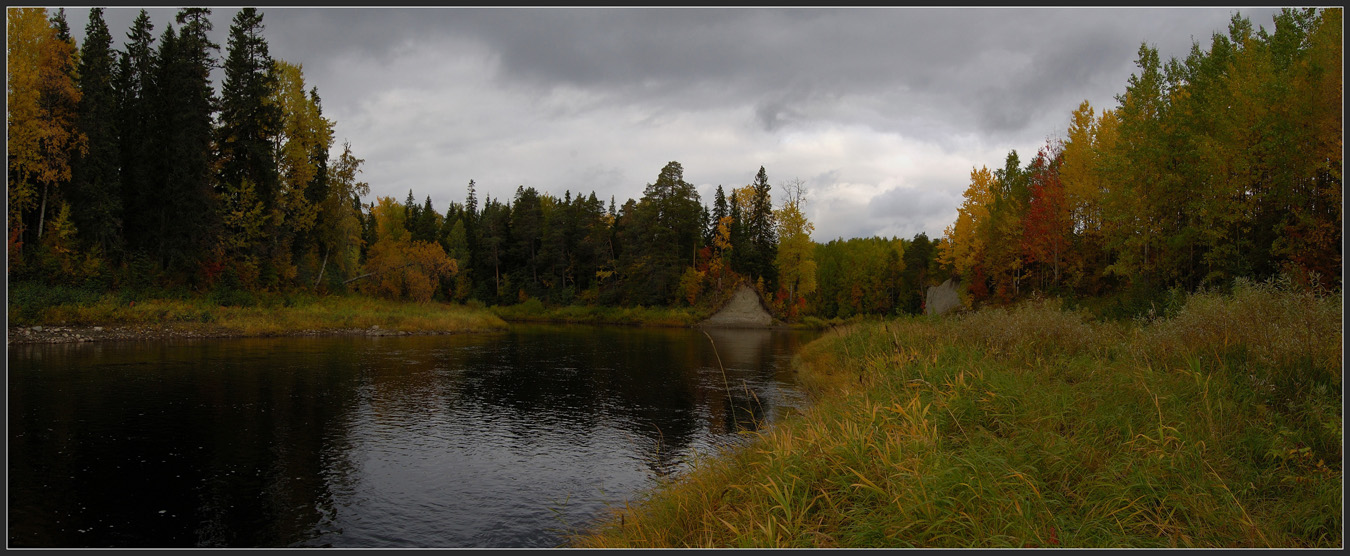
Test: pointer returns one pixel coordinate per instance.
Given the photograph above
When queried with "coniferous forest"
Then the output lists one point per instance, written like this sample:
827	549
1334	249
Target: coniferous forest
128	170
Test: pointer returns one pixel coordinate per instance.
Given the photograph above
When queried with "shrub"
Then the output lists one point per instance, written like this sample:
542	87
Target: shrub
531	306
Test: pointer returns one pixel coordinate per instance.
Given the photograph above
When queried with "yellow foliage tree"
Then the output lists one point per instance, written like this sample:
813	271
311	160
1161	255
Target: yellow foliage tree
339	224
304	132
41	97
303	135
241	227
963	246
1079	171
402	268
691	285
796	252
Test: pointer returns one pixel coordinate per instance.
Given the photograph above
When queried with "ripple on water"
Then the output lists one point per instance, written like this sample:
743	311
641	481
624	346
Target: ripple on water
506	440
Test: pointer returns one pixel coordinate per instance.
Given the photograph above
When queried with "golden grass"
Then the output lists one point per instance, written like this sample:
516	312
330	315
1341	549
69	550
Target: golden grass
1033	426
277	316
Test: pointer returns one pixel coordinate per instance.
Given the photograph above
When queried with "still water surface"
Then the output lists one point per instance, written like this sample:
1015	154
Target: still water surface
495	440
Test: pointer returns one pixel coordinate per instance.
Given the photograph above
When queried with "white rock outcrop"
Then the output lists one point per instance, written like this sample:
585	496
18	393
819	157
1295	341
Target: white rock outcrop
942	299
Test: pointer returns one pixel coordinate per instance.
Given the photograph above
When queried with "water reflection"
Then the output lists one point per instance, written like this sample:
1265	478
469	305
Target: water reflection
440	441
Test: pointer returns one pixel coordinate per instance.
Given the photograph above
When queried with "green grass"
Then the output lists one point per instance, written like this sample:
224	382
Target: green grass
247	314
1218	426
535	311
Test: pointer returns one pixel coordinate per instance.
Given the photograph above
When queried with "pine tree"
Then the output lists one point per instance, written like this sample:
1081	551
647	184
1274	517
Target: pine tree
664	237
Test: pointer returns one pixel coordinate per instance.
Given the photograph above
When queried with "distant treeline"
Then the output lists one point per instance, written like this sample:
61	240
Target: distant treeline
1223	165
127	170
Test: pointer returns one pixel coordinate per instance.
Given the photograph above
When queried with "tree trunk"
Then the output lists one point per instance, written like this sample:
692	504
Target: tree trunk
322	267
369	274
42	213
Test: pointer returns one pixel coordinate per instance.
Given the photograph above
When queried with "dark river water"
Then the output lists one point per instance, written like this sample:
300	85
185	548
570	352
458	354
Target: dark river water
508	439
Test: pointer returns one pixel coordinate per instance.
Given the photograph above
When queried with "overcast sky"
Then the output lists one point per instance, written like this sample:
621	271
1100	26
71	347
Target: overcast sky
880	112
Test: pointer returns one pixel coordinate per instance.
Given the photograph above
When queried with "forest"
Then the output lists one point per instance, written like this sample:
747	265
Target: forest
1224	165
128	171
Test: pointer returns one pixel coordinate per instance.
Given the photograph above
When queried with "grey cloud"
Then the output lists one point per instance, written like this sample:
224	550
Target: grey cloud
825	178
503	95
691	58
910	210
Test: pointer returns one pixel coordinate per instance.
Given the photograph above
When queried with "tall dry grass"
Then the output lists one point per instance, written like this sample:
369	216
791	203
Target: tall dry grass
1035	426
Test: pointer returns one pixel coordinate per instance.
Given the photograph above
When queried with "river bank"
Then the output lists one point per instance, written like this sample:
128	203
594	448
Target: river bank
534	311
111	317
668	317
19	335
1218	426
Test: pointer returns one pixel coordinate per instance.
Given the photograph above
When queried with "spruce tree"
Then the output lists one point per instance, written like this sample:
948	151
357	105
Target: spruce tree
719	212
248	123
186	211
96	195
762	233
471	238
425	227
135	81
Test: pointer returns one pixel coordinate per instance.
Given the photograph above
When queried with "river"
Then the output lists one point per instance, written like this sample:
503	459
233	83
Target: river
508	439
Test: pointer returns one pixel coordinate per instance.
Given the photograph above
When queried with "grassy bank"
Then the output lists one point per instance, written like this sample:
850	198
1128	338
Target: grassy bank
1219	426
535	311
243	314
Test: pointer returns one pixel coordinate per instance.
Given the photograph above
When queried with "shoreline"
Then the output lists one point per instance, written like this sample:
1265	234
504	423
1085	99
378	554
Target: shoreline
70	334
1035	426
74	334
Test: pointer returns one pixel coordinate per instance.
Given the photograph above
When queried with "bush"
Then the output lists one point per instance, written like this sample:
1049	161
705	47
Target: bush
1140	302
531	306
814	322
230	297
27	300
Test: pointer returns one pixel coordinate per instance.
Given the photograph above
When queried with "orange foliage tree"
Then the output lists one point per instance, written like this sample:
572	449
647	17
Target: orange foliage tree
403	268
